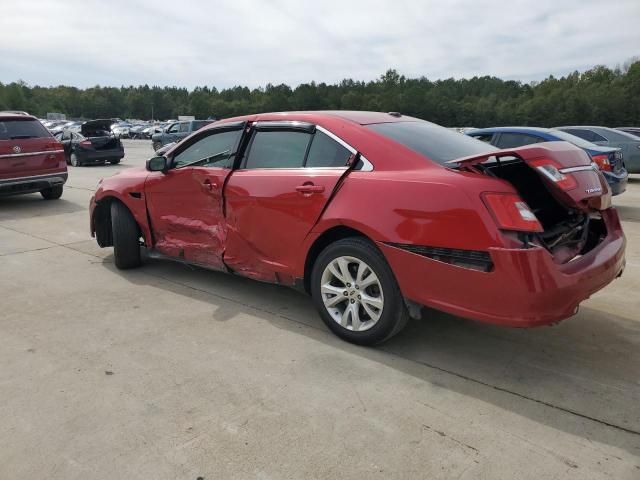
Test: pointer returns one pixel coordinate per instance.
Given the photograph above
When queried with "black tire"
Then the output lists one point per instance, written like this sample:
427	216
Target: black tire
156	146
75	161
52	193
126	235
394	312
114	161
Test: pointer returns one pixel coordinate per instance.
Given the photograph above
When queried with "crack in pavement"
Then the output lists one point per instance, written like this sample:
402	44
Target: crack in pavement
387	351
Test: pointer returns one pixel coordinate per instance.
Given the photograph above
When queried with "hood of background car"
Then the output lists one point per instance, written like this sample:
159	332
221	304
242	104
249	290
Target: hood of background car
93	125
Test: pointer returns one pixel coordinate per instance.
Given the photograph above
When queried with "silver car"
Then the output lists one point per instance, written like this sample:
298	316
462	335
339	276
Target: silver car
629	144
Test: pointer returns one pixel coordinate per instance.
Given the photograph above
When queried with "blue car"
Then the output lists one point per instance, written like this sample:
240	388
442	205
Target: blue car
608	159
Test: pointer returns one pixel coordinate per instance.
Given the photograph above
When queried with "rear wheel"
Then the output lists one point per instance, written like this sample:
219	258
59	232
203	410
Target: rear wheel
356	292
126	237
52	193
75	161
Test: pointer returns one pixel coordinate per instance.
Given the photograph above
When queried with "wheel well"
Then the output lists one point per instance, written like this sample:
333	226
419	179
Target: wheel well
102	221
332	235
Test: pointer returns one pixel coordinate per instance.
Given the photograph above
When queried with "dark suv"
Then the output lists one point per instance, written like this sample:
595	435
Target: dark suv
31	160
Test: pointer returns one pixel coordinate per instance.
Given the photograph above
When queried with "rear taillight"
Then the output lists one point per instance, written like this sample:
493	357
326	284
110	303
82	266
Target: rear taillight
603	162
86	143
511	212
551	170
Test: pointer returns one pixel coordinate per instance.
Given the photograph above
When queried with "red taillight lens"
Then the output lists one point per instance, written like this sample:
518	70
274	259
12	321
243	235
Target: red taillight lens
603	162
551	170
511	212
86	143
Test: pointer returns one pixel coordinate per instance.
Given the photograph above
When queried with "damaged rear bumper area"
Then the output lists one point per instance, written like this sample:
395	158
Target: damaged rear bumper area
525	287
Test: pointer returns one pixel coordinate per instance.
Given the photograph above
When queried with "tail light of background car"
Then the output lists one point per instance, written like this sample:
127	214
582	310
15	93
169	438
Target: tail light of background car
511	212
551	170
603	162
86	143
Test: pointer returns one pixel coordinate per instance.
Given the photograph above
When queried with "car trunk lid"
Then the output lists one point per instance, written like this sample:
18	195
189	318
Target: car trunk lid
98	134
565	170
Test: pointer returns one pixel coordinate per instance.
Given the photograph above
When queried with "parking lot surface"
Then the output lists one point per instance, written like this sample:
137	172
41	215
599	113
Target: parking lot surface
172	372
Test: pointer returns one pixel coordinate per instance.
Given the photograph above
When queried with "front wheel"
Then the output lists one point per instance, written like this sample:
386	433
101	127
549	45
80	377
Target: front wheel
52	193
156	146
126	237
356	293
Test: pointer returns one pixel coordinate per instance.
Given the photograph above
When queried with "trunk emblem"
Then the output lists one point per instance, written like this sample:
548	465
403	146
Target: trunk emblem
17	149
593	190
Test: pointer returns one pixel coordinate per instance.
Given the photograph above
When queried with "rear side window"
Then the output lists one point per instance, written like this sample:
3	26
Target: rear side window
15	129
513	140
433	141
277	149
326	152
184	127
588	135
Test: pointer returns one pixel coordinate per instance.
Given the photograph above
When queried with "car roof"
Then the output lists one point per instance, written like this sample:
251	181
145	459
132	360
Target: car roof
511	130
16	115
354	116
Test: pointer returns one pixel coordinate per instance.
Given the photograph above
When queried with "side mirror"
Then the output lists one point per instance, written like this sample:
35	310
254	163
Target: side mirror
157	164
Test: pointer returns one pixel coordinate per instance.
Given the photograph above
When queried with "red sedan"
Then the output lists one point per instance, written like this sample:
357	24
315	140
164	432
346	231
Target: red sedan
375	215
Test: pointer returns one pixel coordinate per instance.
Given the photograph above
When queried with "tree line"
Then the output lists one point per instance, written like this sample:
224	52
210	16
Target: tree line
601	96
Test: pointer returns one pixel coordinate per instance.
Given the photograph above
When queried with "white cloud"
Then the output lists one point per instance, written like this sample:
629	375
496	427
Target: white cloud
226	42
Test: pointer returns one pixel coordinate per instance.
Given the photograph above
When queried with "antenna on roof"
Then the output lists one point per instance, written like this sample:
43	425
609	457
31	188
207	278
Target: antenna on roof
395	114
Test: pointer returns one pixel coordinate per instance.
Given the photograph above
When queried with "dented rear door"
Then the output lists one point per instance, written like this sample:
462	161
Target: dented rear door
273	201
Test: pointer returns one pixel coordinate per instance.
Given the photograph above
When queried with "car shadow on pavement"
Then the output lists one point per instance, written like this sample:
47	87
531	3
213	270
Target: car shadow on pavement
579	376
33	205
628	213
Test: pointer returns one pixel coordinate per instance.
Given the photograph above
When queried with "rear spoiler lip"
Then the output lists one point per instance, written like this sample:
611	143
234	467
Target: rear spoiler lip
535	150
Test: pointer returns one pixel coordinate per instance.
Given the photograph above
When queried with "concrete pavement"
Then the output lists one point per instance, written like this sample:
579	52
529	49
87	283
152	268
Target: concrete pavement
175	372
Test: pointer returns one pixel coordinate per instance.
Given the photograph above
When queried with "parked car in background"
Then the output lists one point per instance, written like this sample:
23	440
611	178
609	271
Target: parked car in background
635	131
136	131
95	143
608	159
53	124
31	160
374	215
176	131
121	129
610	137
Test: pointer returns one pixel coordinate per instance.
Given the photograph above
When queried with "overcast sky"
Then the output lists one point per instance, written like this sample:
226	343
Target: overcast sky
224	43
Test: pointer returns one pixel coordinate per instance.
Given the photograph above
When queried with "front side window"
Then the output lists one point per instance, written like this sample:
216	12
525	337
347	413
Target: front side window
213	150
184	127
514	140
174	128
277	149
326	152
484	137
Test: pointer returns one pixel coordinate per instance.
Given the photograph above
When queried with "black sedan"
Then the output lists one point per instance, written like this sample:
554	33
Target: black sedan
94	144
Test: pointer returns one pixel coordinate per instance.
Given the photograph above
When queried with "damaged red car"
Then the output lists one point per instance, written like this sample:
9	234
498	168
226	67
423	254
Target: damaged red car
375	215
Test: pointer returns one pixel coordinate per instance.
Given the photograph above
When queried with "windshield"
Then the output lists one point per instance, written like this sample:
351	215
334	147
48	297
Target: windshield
433	141
16	129
577	141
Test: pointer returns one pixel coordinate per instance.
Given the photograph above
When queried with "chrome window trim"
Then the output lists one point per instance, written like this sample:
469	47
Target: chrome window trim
13	155
582	168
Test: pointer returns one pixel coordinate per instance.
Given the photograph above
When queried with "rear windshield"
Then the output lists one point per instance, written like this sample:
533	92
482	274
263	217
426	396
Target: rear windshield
431	140
577	141
16	129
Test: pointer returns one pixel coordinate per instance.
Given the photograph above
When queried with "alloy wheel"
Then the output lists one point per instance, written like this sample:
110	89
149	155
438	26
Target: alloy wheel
352	293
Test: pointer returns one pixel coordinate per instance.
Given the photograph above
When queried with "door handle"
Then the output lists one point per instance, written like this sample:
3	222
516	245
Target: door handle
209	185
310	188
